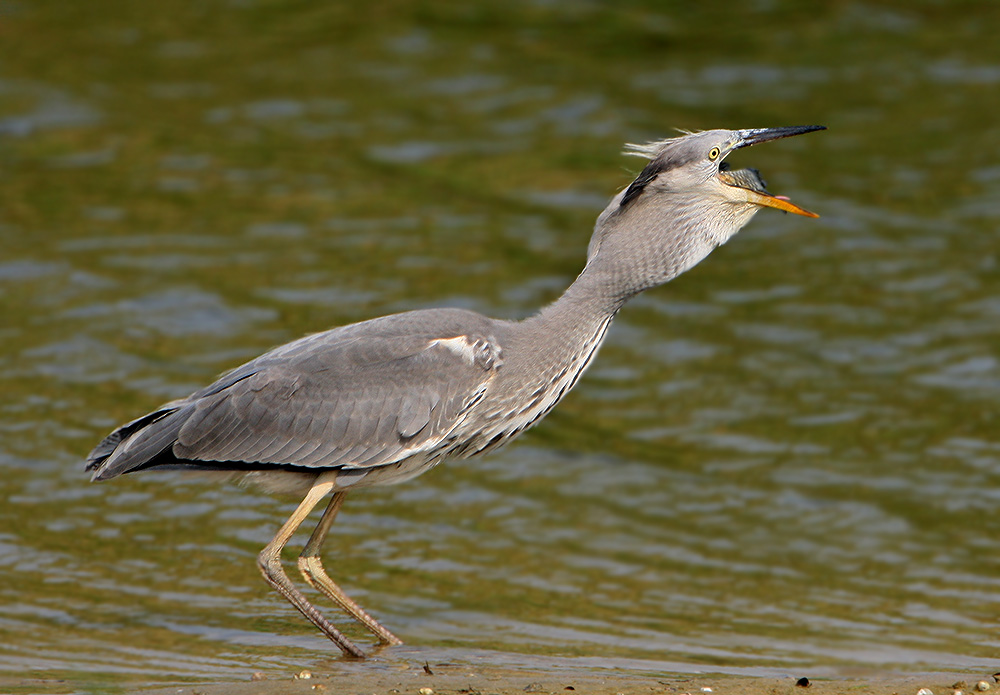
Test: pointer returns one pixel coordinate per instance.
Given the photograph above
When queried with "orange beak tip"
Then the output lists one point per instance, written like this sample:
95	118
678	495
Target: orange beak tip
801	211
779	202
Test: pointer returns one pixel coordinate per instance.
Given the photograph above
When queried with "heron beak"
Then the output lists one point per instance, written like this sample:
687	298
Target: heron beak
749	180
778	202
755	136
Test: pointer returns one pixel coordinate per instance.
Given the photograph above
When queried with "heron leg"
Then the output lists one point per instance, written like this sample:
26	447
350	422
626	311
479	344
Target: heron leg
312	569
269	561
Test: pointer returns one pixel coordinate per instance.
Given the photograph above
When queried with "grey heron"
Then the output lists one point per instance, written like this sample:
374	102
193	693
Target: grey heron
384	400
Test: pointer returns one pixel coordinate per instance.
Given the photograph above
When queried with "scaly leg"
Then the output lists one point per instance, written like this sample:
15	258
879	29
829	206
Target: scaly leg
312	569
269	562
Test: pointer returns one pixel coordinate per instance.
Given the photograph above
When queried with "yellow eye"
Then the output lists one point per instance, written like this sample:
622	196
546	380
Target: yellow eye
714	153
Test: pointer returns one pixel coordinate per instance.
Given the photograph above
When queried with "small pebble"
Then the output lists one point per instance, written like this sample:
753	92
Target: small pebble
803	683
925	691
982	686
426	691
303	675
706	690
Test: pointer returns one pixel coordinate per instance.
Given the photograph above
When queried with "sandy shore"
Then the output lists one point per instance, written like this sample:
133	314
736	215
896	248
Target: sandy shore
480	679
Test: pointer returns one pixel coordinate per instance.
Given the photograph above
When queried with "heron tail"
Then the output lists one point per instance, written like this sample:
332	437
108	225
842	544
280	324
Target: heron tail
138	444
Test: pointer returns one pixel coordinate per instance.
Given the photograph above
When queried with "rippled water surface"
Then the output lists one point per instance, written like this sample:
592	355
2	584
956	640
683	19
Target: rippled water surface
787	459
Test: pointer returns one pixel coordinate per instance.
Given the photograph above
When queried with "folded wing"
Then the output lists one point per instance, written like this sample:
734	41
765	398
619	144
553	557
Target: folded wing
348	398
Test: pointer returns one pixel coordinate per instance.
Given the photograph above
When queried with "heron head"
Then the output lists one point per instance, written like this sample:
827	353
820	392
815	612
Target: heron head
684	203
693	167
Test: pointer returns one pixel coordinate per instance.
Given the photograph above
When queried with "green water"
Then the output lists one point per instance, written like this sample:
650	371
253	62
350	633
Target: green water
787	459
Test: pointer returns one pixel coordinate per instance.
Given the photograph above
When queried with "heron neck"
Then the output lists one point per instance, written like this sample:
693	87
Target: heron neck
584	309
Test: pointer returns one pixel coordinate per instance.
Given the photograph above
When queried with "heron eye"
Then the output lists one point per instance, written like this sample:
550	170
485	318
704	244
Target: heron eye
714	153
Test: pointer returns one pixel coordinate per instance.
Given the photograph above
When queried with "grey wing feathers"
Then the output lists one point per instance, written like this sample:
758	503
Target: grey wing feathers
143	438
335	399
